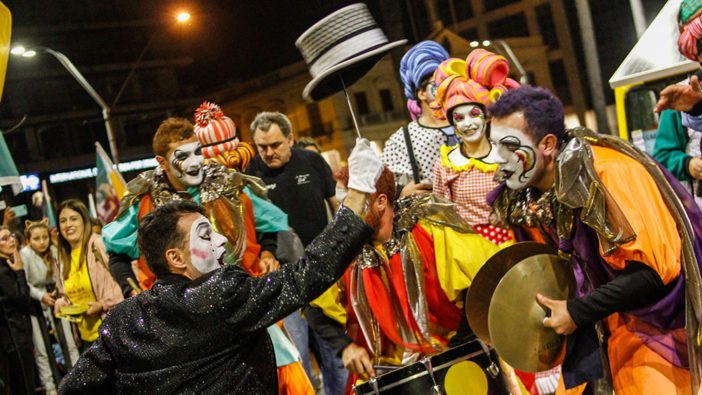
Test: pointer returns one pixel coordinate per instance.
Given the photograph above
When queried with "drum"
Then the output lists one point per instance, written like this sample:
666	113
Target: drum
471	368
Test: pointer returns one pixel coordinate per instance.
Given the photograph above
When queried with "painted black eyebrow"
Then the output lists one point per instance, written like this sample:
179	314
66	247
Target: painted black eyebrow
510	140
199	146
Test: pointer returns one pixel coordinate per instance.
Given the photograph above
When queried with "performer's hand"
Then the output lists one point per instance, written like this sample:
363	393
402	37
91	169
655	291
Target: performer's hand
365	167
411	188
16	263
48	299
559	320
356	359
695	168
94	308
680	97
59	304
267	262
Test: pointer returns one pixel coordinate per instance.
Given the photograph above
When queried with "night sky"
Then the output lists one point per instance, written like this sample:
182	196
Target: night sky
243	39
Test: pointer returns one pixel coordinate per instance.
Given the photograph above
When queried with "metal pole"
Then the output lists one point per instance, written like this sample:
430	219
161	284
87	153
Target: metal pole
133	68
348	101
106	110
592	64
524	77
639	18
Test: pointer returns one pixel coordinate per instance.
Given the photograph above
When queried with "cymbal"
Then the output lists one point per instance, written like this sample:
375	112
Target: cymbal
485	281
515	319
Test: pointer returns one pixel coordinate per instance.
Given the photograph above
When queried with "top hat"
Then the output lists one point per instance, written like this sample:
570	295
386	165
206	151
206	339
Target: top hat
346	44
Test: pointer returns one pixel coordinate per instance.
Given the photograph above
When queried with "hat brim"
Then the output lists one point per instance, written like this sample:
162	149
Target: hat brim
327	83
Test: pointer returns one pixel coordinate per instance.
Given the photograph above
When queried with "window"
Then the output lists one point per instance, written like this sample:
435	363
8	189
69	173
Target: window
511	26
361	103
495	4
462	9
560	81
548	30
315	119
386	100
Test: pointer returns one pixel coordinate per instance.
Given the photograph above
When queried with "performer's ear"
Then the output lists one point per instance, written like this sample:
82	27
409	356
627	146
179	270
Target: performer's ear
175	259
549	144
162	162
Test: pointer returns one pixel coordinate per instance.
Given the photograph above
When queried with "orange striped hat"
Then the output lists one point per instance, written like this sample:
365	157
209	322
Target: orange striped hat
481	78
487	68
216	132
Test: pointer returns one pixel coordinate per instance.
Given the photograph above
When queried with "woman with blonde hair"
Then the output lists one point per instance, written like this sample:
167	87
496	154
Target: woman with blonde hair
86	287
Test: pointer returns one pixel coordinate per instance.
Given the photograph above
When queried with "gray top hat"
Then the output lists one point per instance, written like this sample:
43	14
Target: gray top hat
347	43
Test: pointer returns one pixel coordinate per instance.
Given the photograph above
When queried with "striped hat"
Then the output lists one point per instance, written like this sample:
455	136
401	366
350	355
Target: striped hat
481	78
343	46
216	132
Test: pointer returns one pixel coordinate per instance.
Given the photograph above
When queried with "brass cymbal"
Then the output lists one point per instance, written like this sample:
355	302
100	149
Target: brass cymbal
485	281
515	319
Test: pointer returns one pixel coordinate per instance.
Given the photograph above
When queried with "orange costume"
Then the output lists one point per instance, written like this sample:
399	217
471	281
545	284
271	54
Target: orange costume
605	223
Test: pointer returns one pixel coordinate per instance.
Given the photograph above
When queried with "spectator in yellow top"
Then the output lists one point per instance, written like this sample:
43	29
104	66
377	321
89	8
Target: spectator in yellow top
84	280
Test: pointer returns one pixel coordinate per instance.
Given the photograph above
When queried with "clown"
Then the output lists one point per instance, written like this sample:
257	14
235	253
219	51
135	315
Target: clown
631	234
230	199
464	172
386	312
425	134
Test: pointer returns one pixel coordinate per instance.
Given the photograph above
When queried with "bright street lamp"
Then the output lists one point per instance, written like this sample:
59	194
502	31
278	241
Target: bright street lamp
183	17
73	71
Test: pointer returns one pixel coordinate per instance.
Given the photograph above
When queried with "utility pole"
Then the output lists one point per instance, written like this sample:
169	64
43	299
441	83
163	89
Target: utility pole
592	64
639	18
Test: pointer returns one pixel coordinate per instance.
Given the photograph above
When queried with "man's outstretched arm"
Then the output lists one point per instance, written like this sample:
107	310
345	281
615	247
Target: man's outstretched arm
93	374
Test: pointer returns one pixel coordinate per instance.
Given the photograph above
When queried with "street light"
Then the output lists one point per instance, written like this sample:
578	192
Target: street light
73	70
182	18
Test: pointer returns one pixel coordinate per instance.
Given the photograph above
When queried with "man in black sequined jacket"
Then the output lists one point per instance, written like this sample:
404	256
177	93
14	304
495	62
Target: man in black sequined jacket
201	330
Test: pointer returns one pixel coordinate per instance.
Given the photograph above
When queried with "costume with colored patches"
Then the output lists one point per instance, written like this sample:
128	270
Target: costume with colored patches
464	172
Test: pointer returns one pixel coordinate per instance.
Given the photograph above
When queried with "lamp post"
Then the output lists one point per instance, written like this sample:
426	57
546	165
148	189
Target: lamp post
181	18
73	71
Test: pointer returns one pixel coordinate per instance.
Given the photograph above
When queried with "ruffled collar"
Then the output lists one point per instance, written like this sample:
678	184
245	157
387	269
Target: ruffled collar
472	163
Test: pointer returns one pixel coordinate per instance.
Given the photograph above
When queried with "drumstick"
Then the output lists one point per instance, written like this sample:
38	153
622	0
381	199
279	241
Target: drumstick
134	285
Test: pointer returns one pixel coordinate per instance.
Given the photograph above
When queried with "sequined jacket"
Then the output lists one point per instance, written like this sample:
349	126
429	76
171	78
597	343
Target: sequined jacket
209	335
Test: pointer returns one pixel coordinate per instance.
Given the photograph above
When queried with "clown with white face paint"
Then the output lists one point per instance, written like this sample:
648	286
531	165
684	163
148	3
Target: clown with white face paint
185	164
464	172
516	156
206	246
620	224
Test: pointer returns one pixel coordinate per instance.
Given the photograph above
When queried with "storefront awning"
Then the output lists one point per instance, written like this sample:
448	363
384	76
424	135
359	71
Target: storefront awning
656	53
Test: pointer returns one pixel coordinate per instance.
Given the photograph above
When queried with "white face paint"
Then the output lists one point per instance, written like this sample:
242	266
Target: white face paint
469	122
185	164
206	246
516	156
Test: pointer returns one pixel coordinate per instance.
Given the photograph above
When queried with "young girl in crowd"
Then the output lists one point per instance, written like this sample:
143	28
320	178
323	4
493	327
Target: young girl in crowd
39	257
84	280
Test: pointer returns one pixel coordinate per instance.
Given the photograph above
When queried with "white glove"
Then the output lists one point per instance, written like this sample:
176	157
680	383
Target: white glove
365	167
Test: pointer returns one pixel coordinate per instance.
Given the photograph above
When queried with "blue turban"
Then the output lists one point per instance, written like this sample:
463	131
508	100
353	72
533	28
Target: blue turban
420	61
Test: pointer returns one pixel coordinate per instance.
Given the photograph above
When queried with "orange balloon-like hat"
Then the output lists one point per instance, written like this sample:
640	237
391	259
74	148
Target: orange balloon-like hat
481	78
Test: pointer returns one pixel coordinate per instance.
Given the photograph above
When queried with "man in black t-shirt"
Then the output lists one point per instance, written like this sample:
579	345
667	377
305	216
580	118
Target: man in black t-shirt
299	181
